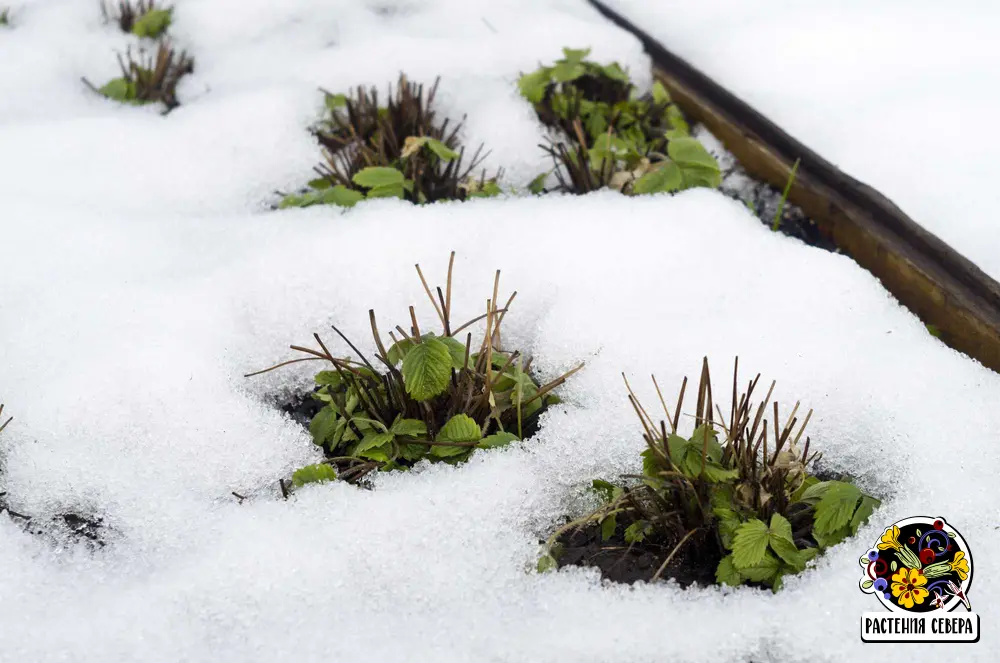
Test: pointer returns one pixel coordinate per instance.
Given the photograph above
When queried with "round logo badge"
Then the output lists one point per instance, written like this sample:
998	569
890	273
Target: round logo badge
919	564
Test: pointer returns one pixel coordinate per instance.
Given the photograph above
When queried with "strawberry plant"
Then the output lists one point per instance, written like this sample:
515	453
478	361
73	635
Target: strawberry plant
607	135
427	396
399	150
142	18
148	79
740	494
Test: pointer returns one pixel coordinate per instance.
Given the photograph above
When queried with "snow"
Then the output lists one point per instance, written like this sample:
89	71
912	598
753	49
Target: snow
899	94
143	276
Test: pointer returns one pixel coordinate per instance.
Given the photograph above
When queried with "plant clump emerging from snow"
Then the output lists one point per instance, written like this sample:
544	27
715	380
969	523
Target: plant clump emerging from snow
399	150
147	78
727	495
607	135
142	19
434	396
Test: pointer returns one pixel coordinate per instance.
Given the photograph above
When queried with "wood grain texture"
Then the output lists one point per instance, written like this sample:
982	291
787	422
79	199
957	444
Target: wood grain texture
938	284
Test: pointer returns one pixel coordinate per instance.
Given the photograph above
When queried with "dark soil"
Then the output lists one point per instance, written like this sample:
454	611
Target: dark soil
694	563
618	561
302	408
765	201
71	527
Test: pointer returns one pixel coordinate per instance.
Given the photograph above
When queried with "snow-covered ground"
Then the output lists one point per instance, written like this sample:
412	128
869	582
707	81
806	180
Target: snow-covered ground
901	94
142	276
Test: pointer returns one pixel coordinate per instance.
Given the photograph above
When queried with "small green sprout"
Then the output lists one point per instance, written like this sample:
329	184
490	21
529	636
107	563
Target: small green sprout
750	498
143	19
399	150
609	136
436	397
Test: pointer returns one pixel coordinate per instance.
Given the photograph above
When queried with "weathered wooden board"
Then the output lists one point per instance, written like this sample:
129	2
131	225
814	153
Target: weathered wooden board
938	284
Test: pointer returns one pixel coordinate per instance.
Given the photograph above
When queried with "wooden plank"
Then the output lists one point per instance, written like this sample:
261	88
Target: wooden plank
942	287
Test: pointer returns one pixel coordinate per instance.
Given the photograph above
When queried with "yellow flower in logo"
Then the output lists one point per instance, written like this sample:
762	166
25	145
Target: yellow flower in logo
890	539
960	565
908	587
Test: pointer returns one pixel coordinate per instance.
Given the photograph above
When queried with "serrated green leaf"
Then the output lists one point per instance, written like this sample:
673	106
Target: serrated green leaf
750	544
660	94
676	119
807	554
378	176
835	509
319	184
764	571
412	452
443	152
460	428
608	147
715	473
596	124
496	440
665	178
696	176
411	427
293	200
335	102
537	185
707	438
615	72
533	85
564	72
336	195
457	351
788	553
398	350
489	189
608	526
780	528
328	378
726	573
728	523
815	491
387	191
575	55
152	24
342	196
864	511
833	538
119	89
687	152
426	369
323	425
313	474
637	532
677	446
605	489
373	440
807	483
650	462
547	563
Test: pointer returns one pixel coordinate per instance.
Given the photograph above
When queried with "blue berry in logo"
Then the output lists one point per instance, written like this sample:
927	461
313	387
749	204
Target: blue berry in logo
880	585
872	555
